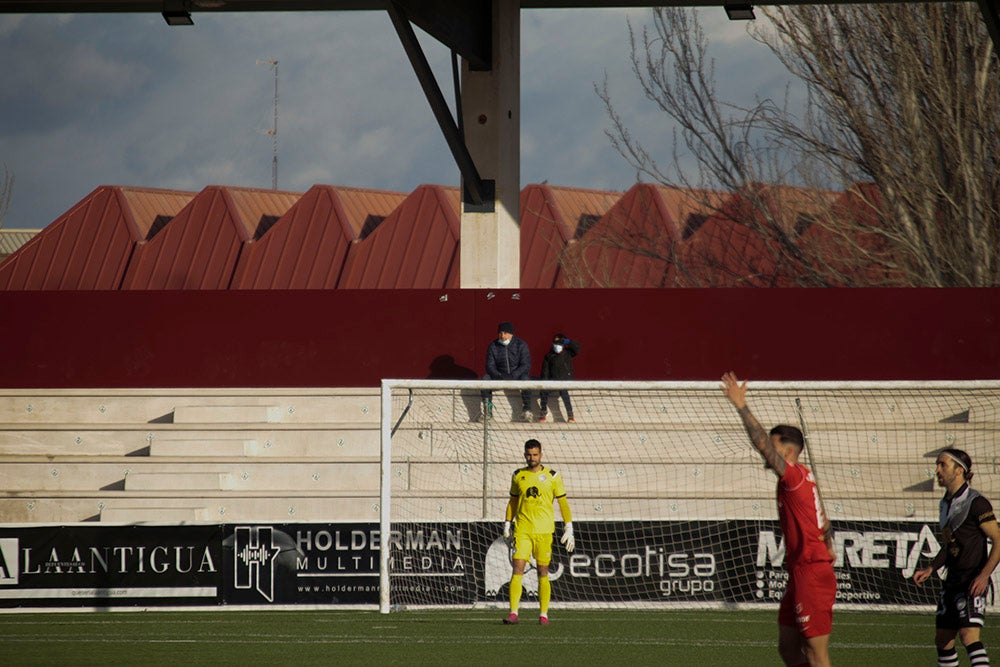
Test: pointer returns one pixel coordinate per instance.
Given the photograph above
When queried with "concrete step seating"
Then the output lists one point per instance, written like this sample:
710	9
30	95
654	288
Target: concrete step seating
585	508
702	480
882	406
128	507
276	454
137	406
279	440
146	474
218	507
684	442
337	441
127	406
276	477
69	455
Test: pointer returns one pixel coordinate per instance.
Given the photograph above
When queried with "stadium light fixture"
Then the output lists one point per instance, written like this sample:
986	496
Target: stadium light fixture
740	12
177	17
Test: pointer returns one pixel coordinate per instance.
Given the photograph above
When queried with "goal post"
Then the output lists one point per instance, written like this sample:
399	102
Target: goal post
671	504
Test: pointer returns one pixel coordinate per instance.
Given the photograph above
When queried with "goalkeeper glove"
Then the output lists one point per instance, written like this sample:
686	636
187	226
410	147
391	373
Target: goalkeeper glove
567	537
508	536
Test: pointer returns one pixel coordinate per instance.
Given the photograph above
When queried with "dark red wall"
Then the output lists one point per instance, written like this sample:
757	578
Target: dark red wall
357	337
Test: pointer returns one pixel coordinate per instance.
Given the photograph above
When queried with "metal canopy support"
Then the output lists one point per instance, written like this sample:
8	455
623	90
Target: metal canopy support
487	132
462	25
451	27
476	191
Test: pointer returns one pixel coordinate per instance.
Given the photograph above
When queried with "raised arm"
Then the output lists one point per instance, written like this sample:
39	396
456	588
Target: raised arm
736	392
572	346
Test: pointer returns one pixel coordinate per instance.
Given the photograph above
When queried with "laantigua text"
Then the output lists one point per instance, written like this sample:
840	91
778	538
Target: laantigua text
121	559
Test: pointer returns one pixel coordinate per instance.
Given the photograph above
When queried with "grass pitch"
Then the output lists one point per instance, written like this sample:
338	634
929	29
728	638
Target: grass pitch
444	638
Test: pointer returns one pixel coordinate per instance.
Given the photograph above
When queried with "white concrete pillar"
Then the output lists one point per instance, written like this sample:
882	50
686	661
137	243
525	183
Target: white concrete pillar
491	113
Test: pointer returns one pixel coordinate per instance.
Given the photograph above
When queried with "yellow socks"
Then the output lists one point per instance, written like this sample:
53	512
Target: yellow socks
515	591
544	595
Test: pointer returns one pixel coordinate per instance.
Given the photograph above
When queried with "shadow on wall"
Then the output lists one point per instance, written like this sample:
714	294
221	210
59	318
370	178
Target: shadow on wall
443	367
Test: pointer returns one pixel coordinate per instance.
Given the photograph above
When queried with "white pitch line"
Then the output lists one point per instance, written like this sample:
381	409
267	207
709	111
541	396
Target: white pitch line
487	640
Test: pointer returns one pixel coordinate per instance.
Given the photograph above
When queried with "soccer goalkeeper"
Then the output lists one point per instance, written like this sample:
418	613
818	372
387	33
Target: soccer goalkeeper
532	491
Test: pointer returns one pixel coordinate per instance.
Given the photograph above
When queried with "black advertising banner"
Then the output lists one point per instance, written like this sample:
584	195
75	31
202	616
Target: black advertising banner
730	561
443	562
312	563
875	562
739	561
110	566
334	564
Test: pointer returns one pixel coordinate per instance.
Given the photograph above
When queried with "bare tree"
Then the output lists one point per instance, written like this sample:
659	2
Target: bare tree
6	192
895	157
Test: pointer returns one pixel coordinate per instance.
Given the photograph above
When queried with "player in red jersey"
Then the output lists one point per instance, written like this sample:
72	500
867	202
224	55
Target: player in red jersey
805	617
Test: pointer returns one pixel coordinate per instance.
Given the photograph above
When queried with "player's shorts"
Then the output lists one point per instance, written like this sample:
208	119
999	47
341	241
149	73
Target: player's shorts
958	609
808	600
538	545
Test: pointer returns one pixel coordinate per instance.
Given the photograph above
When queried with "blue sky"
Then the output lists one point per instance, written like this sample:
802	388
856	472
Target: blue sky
123	99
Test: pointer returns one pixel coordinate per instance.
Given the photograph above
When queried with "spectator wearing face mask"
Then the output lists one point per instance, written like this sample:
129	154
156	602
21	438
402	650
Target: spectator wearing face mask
558	365
507	358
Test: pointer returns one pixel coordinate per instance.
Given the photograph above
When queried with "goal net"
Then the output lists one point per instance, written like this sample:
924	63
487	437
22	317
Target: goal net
671	505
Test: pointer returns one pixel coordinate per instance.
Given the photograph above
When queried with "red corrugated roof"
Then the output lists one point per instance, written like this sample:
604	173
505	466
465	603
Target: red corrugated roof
150	209
634	243
199	248
835	241
690	207
726	253
582	208
307	247
241	238
367	209
415	247
551	217
89	246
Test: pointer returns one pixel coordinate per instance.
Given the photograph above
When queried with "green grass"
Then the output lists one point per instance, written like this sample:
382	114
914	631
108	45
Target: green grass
441	638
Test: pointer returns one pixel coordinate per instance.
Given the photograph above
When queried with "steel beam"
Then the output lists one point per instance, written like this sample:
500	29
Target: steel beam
476	190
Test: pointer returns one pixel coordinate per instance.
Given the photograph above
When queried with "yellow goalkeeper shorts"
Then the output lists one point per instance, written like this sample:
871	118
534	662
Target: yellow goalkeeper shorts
538	545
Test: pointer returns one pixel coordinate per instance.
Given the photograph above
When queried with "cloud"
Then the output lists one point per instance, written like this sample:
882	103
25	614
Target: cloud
124	99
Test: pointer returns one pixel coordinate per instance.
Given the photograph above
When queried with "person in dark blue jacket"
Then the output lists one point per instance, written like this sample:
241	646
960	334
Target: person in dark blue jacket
558	365
507	358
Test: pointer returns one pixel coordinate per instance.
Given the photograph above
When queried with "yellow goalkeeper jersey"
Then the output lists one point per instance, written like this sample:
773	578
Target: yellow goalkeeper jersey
536	492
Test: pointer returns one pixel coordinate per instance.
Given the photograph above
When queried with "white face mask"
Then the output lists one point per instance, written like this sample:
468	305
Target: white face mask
506	342
557	348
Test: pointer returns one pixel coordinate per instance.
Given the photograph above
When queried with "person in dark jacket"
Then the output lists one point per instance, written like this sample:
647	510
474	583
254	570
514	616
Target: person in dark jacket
507	358
558	365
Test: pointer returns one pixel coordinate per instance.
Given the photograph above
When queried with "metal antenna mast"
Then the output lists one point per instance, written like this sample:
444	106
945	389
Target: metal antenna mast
273	62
